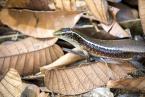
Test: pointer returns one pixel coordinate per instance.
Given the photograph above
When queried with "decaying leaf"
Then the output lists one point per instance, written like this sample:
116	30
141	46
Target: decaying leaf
99	9
69	5
40	24
67	59
135	84
115	29
65	5
77	80
11	84
28	55
142	13
28	4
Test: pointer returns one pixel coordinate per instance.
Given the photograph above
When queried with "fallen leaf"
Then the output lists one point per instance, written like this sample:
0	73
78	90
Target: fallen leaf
67	59
66	5
77	80
134	84
40	24
11	84
115	29
142	13
28	4
28	55
99	8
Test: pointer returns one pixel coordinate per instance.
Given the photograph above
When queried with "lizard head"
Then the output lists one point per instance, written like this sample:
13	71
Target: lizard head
67	34
63	32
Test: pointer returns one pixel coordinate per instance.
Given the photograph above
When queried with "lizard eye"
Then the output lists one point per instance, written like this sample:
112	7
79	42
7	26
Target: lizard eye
66	29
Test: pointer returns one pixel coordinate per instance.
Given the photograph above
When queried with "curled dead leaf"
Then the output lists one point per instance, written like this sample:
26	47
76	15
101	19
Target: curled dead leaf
99	8
67	59
77	80
40	24
134	84
11	84
115	29
28	55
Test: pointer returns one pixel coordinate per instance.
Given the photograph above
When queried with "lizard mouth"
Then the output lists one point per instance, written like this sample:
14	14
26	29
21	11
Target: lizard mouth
62	32
58	33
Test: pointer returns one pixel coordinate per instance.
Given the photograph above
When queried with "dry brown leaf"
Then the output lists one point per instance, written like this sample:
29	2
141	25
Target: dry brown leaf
65	5
99	9
29	4
142	13
40	24
28	55
69	5
135	84
67	59
77	80
115	29
11	84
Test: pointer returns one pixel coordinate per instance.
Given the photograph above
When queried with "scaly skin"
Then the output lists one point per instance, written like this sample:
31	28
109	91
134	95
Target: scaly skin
122	49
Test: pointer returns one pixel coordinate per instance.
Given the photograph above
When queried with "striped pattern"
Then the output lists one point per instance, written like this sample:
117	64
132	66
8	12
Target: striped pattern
81	79
28	55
